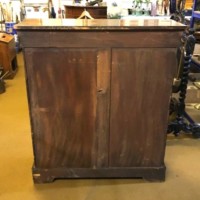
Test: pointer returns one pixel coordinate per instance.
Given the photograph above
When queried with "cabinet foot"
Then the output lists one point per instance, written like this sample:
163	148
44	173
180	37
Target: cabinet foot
147	173
154	178
41	178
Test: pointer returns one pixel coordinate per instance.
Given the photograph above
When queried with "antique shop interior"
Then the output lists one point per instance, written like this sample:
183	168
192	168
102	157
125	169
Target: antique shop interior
99	99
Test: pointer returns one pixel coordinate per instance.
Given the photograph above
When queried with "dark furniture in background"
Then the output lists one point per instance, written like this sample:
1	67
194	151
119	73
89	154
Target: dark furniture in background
97	12
99	93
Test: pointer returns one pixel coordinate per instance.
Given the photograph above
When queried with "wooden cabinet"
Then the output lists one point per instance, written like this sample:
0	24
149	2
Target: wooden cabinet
8	60
99	95
97	12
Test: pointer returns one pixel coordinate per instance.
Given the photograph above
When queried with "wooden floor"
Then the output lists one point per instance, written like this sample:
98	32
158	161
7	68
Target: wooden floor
182	161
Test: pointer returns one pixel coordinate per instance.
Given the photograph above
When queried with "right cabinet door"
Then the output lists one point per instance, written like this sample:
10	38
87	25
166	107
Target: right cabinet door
140	89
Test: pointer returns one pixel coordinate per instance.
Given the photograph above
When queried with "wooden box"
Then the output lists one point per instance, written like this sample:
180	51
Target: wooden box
8	58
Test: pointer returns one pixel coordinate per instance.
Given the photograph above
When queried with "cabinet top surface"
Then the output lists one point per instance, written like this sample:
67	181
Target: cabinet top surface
99	24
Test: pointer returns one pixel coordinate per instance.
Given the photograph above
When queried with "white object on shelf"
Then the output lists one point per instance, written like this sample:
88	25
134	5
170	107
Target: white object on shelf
153	7
35	2
36	12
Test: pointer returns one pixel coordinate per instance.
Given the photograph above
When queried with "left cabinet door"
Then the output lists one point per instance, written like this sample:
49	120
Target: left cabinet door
68	90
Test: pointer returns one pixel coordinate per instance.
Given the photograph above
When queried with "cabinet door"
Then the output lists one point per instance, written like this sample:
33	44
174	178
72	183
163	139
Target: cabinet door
140	90
68	92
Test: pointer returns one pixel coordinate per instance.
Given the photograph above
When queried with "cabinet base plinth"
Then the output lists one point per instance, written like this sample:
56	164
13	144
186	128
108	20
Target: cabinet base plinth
147	173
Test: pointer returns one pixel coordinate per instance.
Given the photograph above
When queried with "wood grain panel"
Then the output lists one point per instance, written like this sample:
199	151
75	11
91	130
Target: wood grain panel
103	106
102	39
140	90
62	87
